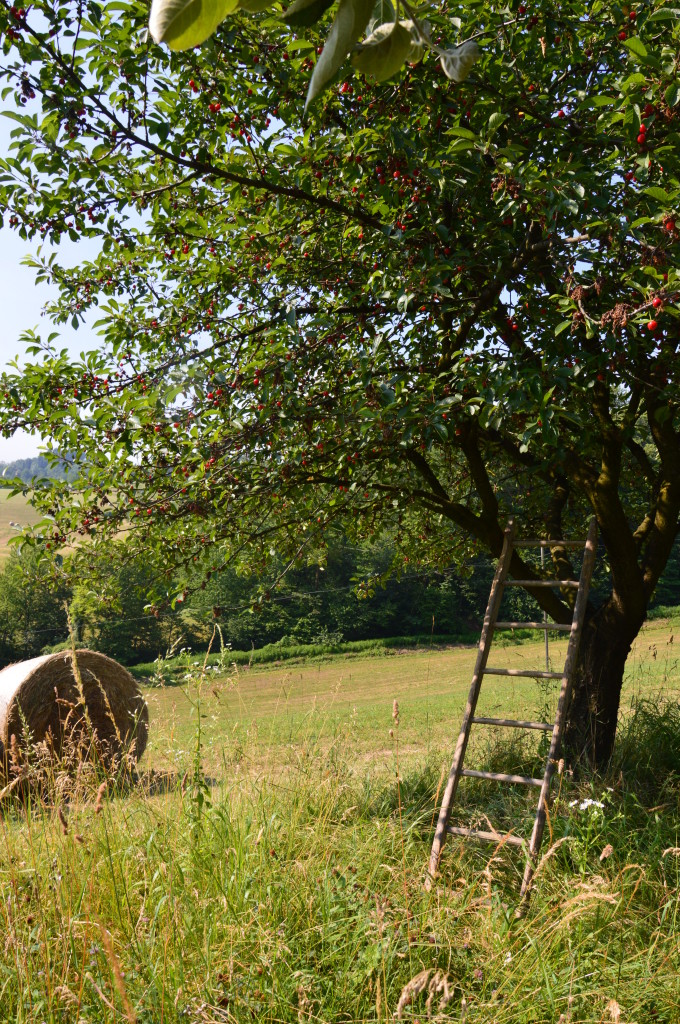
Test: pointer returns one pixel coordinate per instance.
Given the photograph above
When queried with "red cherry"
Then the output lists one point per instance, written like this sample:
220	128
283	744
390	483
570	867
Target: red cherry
641	139
521	9
657	302
652	325
622	35
560	113
669	224
643	128
633	15
649	109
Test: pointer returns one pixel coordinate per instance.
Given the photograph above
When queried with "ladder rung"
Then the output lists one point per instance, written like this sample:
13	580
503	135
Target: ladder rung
537	674
489	837
540	583
549	543
501	777
513	723
533	625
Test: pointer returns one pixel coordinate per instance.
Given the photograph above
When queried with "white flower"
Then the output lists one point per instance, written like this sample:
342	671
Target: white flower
585	804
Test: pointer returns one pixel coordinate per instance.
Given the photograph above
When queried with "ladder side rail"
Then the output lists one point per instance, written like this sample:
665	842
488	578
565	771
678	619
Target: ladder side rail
492	609
565	692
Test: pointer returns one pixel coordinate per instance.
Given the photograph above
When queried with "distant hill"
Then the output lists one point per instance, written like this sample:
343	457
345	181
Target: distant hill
29	469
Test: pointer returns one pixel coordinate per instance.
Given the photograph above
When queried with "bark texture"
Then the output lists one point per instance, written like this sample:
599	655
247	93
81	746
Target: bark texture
593	712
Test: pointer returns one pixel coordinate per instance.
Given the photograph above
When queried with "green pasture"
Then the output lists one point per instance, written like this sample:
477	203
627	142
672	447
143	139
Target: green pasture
268	864
13	509
275	710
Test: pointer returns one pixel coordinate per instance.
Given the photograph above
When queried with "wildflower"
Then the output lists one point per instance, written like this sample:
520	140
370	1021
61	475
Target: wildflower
614	1011
585	804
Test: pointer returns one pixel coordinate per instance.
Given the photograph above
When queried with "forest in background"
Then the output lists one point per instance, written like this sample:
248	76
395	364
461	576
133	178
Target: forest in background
32	469
356	595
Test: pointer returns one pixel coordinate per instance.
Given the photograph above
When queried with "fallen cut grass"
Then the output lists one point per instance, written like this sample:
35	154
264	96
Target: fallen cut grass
287	885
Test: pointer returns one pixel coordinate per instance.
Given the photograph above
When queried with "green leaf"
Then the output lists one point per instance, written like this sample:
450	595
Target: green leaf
672	95
457	63
636	46
186	23
601	101
665	14
656	192
303	13
254	6
384	51
495	121
461	133
350	21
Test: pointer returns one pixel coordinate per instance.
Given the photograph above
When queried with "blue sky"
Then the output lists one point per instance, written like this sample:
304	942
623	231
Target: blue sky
21	304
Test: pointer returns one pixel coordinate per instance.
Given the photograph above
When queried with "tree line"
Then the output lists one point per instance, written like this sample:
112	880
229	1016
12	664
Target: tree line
355	595
38	467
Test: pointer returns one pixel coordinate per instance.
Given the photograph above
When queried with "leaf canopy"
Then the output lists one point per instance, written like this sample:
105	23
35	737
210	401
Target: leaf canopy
430	306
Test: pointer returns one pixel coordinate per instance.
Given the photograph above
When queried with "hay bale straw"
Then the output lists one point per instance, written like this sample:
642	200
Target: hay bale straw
43	695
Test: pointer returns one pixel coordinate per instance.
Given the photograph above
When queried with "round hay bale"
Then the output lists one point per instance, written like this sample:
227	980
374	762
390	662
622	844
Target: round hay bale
43	696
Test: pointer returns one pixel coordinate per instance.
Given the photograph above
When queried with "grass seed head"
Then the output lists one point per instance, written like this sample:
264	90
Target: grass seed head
99	805
63	821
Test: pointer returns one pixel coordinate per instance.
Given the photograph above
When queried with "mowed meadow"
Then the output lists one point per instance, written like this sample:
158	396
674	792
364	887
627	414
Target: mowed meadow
328	701
268	862
14	509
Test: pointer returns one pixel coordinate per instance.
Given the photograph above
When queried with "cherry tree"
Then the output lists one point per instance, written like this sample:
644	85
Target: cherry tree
427	304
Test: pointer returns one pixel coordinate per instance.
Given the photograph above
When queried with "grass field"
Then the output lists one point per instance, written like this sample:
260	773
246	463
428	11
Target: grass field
319	702
13	509
277	875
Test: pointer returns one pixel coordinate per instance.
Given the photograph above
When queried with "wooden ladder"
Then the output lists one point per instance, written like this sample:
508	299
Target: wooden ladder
491	623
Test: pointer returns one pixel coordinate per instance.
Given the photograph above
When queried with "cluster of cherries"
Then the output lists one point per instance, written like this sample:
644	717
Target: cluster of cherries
642	136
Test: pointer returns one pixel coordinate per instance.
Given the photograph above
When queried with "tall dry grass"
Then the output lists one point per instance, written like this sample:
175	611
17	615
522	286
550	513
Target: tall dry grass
291	889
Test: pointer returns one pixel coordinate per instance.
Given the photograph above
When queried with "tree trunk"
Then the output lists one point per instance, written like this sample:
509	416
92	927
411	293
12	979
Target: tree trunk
591	719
